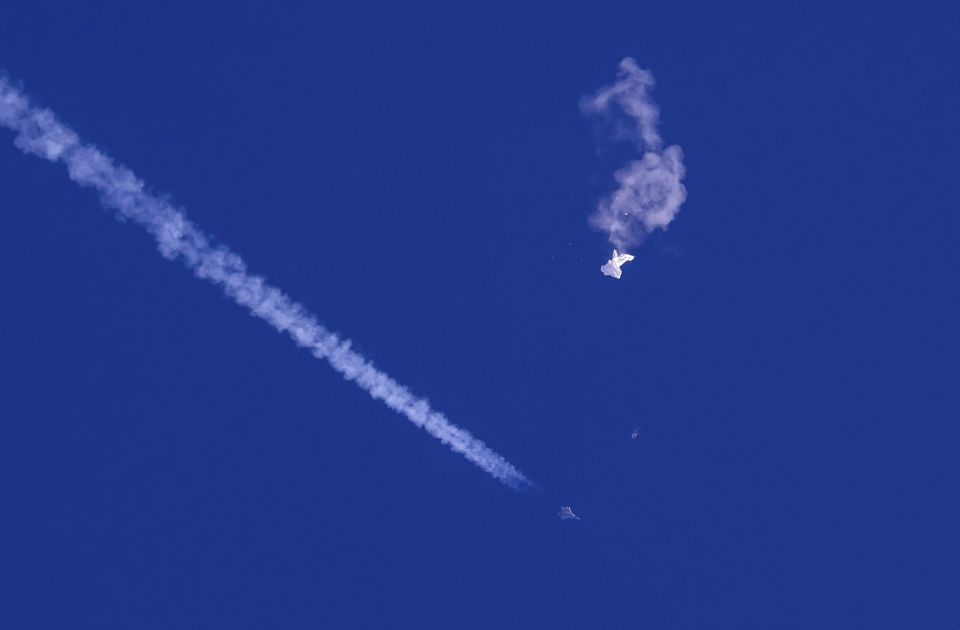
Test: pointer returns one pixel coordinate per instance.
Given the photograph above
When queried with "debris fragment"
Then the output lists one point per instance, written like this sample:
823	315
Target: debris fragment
612	268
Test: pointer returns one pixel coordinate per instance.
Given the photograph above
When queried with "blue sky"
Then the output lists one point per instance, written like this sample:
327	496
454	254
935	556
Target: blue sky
420	178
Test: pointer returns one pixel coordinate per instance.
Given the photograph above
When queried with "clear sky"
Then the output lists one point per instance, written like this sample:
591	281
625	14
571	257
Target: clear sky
420	177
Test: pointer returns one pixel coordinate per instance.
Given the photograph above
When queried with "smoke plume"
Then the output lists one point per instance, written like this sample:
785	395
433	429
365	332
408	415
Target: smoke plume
649	193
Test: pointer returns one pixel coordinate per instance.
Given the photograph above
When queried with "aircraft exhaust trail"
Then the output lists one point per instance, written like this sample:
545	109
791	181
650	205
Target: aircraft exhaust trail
38	132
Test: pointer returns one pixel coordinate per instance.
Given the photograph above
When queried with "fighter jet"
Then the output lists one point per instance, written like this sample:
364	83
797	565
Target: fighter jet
612	268
565	513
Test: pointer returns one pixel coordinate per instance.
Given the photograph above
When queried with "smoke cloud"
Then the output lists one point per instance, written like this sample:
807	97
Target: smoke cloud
649	193
38	132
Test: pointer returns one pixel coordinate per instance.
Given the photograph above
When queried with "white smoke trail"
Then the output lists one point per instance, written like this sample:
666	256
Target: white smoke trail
649	193
39	133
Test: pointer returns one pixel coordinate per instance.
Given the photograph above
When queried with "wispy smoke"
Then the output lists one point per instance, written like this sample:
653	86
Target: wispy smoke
649	192
39	133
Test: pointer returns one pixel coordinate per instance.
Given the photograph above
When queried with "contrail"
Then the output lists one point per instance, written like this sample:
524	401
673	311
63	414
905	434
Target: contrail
40	133
649	193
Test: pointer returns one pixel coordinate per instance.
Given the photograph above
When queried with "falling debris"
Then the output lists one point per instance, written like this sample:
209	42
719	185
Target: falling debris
635	434
612	268
566	513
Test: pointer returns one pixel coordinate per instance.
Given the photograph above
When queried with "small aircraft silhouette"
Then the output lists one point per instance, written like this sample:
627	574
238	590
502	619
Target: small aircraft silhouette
612	268
565	513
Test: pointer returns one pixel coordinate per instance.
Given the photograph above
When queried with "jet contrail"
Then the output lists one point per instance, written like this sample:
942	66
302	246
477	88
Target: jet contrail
40	133
649	193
